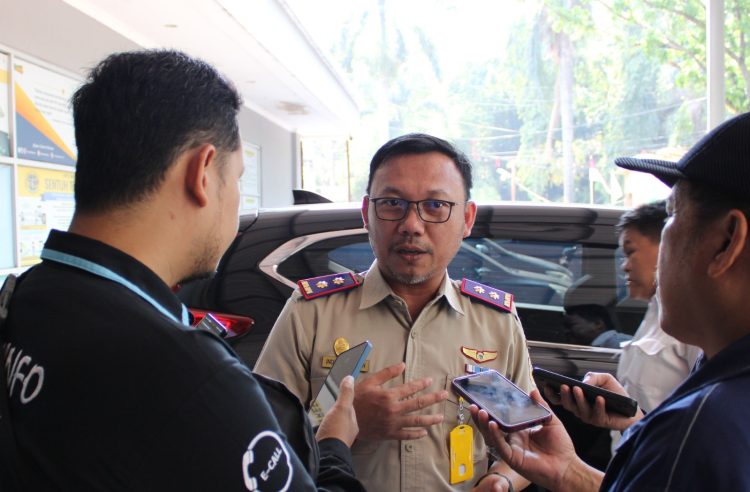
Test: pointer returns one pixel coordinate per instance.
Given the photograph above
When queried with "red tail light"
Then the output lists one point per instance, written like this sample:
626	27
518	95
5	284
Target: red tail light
236	325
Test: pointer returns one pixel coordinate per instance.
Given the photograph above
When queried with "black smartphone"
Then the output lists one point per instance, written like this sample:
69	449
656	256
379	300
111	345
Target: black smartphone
347	363
506	403
613	402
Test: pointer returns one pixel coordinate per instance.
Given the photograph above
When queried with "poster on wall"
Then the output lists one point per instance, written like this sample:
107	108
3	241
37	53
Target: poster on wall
4	109
45	201
7	243
44	120
250	182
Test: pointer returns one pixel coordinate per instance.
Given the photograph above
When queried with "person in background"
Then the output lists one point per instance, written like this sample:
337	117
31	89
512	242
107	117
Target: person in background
109	387
696	439
587	319
425	328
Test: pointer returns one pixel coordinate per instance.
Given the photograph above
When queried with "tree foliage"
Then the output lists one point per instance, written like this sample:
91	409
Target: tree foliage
638	86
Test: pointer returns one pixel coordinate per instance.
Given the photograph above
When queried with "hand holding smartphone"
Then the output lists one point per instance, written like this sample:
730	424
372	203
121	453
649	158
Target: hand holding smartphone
504	402
613	402
347	363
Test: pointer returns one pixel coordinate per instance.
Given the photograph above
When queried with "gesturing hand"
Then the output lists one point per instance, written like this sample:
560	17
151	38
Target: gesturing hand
390	413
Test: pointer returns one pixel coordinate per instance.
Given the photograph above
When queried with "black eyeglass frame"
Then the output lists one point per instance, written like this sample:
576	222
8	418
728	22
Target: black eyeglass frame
418	204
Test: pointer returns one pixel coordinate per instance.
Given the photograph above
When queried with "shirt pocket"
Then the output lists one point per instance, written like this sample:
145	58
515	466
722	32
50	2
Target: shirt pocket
650	371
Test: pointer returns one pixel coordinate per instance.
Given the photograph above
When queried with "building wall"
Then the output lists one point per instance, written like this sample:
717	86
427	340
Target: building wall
277	157
70	40
65	41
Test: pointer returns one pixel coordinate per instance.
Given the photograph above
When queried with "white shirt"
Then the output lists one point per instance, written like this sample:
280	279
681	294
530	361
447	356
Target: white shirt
654	363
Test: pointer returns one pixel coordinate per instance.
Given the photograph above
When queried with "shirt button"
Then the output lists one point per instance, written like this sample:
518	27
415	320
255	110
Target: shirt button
414	334
409	447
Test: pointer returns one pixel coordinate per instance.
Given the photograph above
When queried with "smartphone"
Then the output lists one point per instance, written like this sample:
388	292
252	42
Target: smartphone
506	403
211	324
347	363
613	402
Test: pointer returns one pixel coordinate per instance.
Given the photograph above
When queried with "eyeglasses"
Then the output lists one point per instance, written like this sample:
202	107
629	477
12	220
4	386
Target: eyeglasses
435	211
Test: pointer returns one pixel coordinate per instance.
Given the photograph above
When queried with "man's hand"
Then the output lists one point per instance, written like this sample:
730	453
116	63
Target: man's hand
492	482
341	420
573	400
545	455
388	413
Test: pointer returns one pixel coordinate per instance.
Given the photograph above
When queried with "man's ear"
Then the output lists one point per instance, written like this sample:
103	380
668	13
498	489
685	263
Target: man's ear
732	231
470	214
199	160
365	208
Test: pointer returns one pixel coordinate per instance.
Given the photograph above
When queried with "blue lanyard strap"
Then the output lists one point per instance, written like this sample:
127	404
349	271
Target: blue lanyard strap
96	269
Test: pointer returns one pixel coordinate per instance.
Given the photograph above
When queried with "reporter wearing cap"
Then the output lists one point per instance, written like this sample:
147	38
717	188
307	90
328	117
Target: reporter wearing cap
424	329
697	439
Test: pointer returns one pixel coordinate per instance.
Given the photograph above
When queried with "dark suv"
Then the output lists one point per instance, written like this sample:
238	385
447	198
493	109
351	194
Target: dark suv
554	259
560	262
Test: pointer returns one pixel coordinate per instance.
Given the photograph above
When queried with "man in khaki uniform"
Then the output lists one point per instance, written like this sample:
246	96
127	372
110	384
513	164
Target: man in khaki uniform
426	329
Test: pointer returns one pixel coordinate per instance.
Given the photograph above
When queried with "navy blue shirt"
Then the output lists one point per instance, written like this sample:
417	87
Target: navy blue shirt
698	438
109	393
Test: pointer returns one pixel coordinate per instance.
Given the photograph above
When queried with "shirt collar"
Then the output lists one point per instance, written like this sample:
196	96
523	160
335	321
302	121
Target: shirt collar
376	288
120	263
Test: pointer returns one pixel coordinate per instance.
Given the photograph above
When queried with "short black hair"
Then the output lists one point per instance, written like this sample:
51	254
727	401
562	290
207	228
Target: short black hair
136	112
421	143
709	202
647	219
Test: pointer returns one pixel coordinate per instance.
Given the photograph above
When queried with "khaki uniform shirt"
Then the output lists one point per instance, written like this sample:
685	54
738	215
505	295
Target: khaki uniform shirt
430	345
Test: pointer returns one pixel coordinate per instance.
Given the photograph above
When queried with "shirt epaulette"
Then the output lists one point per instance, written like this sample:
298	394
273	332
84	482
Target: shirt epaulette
490	295
327	284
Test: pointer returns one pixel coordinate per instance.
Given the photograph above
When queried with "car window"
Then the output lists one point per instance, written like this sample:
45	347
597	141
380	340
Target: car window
564	292
534	272
340	254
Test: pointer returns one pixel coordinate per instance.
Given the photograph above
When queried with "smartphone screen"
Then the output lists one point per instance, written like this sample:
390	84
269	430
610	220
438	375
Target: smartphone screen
506	403
347	363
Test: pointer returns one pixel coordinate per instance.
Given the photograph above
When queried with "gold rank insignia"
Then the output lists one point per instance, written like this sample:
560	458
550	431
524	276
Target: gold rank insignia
479	356
327	284
491	296
340	345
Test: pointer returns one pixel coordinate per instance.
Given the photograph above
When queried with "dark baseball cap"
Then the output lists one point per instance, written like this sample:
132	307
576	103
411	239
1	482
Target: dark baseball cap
720	159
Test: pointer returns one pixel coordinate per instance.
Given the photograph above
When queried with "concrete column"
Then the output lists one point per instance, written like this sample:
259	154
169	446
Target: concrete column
715	53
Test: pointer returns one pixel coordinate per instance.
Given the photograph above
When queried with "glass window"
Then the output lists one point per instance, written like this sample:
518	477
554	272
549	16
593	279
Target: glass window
541	94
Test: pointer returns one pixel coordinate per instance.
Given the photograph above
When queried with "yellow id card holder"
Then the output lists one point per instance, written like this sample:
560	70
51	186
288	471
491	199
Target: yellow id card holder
462	459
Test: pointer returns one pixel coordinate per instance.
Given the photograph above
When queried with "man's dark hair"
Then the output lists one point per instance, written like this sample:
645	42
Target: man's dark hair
647	219
421	143
709	202
134	115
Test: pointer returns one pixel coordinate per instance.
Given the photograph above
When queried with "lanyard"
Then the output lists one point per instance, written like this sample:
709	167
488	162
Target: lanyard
96	269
